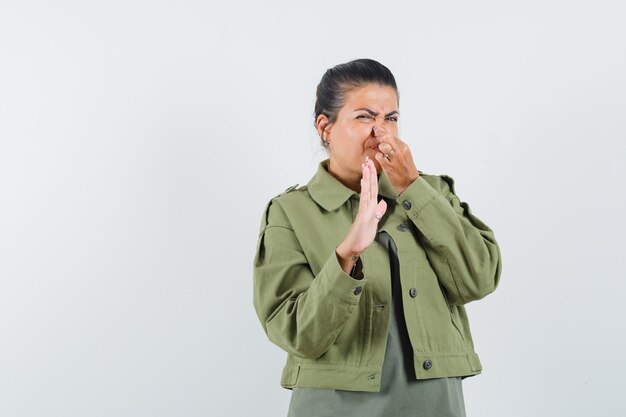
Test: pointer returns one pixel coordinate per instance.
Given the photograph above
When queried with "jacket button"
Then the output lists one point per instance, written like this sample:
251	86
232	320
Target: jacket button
428	364
358	290
406	204
404	227
413	292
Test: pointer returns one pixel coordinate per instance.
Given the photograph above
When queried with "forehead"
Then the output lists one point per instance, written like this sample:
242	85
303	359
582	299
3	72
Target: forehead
372	95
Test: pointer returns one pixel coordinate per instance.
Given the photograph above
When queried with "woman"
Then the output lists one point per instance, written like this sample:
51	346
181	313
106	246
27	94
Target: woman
362	275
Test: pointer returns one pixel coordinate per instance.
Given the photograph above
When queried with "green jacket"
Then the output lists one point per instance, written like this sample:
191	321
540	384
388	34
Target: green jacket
333	326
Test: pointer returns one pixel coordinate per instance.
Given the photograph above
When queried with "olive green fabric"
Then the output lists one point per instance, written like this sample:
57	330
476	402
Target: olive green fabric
401	395
332	325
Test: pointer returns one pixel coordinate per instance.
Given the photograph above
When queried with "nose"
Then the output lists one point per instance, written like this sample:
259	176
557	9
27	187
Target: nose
378	130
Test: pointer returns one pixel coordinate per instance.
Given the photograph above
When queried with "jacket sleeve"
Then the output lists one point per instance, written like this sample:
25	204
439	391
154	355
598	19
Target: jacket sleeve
460	247
300	312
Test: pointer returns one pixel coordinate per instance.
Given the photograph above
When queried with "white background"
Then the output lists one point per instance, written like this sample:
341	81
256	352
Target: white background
140	141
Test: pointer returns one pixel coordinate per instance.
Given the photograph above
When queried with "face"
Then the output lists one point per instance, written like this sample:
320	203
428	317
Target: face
352	137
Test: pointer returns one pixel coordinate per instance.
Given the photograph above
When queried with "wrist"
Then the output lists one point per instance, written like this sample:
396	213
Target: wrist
347	259
411	181
346	253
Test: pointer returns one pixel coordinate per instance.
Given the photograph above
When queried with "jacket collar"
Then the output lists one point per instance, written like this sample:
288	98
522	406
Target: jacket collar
331	194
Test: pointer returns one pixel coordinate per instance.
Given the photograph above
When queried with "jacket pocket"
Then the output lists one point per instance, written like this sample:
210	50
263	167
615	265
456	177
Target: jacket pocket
454	314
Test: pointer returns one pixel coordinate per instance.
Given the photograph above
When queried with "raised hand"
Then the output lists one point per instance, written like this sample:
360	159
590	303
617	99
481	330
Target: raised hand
395	159
363	230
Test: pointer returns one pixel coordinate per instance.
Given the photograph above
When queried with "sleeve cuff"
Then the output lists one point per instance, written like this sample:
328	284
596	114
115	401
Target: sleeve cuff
416	196
357	273
337	282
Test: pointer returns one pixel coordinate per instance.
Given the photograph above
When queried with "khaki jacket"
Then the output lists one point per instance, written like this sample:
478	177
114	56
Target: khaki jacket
333	326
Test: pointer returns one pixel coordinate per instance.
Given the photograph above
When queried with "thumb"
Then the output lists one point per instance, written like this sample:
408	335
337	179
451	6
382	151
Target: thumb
381	208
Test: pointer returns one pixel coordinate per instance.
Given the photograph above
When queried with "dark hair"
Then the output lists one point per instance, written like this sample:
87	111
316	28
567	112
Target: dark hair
341	79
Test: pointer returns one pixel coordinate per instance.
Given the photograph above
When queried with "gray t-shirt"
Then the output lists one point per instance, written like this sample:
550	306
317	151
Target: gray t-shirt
400	393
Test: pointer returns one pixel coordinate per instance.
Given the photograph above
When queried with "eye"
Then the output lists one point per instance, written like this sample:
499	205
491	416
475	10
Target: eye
392	118
364	115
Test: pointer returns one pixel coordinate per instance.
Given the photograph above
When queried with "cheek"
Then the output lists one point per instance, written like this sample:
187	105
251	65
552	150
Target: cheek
360	133
353	138
393	128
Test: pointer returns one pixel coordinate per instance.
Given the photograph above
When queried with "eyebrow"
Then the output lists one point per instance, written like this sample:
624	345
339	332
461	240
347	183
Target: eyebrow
373	113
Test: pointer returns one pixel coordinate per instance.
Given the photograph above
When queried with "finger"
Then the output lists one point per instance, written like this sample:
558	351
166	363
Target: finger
397	144
374	183
388	137
385	147
381	208
365	186
384	162
393	141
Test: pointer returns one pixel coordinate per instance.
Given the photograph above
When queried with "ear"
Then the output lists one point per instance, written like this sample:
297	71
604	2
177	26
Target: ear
322	125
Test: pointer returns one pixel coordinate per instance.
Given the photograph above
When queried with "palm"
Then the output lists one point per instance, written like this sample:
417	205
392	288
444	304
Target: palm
365	226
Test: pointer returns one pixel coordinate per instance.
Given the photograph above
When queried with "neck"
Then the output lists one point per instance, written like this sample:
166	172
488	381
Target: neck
345	177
